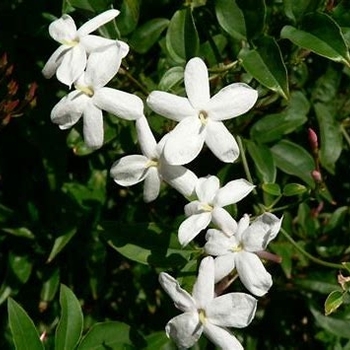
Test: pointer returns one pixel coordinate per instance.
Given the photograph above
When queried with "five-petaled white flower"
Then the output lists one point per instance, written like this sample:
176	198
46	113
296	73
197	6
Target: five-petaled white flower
200	117
91	97
205	313
208	207
152	167
239	247
69	60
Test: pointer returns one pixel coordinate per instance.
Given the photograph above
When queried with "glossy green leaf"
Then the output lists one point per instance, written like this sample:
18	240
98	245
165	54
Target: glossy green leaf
330	135
272	127
333	301
272	188
286	252
294	160
70	325
182	41
50	285
109	335
160	341
266	65
293	189
146	35
295	9
321	34
171	78
20	232
94	6
24	334
263	161
213	48
338	327
254	13
231	18
129	15
145	243
336	219
60	243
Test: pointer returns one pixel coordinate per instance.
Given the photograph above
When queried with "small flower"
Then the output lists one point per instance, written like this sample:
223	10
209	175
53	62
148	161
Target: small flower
205	313
200	117
240	249
152	167
208	207
69	60
91	97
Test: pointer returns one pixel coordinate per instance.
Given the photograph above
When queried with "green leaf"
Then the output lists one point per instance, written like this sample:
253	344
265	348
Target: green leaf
346	265
273	126
254	12
94	6
50	285
321	34
272	188
337	219
159	340
231	18
294	9
20	232
331	136
266	65
129	16
70	325
293	189
145	243
24	334
335	326
109	335
333	301
182	41
263	161
294	160
171	78
60	243
146	35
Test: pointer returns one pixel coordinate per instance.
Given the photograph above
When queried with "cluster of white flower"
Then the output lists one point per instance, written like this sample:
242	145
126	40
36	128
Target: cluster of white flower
89	62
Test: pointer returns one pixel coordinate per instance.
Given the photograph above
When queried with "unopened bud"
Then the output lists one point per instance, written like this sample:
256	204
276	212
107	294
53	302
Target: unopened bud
313	139
316	175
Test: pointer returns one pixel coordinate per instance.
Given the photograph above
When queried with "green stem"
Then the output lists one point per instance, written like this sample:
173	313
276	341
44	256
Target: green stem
136	82
308	255
244	162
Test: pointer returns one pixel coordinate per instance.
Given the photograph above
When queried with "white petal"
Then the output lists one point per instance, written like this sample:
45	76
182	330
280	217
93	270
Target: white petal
122	104
96	22
224	265
152	185
180	178
184	329
221	142
218	243
207	188
222	337
252	273
182	299
203	289
145	138
232	310
197	83
233	192
184	142
69	109
93	126
231	101
94	42
72	65
222	219
243	224
190	228
170	106
102	65
261	231
193	208
129	170
63	29
54	61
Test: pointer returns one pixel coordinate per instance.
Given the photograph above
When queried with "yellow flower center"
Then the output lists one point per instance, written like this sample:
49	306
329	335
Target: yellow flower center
203	117
152	162
206	207
202	316
237	248
70	42
87	90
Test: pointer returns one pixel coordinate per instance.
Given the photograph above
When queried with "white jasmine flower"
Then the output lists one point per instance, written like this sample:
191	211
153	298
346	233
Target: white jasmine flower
240	249
205	313
152	167
69	60
200	117
209	205
91	97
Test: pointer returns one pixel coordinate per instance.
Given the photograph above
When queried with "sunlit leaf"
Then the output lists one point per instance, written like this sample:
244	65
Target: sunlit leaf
293	189
60	243
333	301
272	188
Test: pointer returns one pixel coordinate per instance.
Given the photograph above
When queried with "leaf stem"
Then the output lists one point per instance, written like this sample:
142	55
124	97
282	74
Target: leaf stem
308	255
